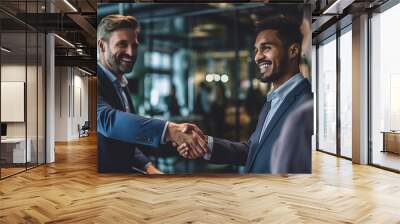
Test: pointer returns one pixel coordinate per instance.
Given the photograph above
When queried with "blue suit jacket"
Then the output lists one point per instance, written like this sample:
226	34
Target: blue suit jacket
119	134
294	156
254	155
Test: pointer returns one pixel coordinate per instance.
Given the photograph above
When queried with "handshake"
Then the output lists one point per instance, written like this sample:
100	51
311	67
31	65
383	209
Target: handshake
190	141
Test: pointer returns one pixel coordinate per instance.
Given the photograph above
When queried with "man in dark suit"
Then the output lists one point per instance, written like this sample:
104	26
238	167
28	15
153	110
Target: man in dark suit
121	132
277	55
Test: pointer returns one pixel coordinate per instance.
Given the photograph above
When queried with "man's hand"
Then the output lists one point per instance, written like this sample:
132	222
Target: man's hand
184	151
150	169
189	134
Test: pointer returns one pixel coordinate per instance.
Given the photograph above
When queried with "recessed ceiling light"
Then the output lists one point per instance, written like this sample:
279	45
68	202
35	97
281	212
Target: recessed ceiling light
224	78
209	77
70	5
64	40
217	77
84	71
5	50
337	7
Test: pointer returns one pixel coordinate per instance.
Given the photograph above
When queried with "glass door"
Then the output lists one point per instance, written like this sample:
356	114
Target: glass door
14	154
22	89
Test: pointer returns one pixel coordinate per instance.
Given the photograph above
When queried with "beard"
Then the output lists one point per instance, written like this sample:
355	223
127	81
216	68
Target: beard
277	71
121	63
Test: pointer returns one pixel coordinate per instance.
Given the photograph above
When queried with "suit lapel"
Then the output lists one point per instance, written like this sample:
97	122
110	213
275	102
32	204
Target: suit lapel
257	132
277	116
288	101
109	91
120	97
260	122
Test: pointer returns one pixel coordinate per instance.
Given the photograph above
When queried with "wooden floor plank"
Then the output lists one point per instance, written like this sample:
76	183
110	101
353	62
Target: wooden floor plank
71	191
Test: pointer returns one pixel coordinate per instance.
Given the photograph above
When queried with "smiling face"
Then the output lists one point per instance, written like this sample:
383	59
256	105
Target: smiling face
121	50
271	56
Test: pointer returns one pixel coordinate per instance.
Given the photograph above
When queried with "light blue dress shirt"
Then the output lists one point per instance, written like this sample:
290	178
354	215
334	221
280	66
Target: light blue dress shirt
277	96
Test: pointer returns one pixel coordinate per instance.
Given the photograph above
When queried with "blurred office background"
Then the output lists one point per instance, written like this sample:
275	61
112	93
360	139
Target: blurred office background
196	64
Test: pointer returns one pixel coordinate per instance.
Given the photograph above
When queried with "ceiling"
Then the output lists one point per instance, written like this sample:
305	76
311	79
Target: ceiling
75	21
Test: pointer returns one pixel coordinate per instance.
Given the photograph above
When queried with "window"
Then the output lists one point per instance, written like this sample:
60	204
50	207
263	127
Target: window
346	93
157	60
385	88
327	95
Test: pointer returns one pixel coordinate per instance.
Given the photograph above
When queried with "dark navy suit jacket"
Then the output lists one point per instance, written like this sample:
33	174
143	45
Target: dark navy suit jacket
254	155
294	156
119	134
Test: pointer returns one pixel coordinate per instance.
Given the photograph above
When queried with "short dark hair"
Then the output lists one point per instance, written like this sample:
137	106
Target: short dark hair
288	32
111	23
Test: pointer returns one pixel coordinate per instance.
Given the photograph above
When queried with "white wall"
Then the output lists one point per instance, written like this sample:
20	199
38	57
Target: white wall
61	103
71	102
33	126
14	72
17	73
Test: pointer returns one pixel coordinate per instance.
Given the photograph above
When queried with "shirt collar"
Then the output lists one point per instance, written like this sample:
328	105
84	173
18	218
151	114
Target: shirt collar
123	82
283	90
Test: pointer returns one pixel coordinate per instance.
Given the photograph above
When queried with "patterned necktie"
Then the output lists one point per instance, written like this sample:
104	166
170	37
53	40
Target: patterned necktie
124	99
130	103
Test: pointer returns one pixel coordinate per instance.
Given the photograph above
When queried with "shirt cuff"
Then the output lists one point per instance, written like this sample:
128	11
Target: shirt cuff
164	140
207	156
147	165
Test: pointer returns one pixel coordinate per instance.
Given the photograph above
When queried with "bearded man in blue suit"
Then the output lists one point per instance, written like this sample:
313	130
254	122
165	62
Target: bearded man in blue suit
122	134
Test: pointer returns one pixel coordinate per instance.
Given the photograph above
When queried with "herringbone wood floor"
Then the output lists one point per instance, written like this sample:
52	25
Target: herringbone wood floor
71	191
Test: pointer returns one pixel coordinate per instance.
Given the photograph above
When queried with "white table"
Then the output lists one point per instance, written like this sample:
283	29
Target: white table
15	148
